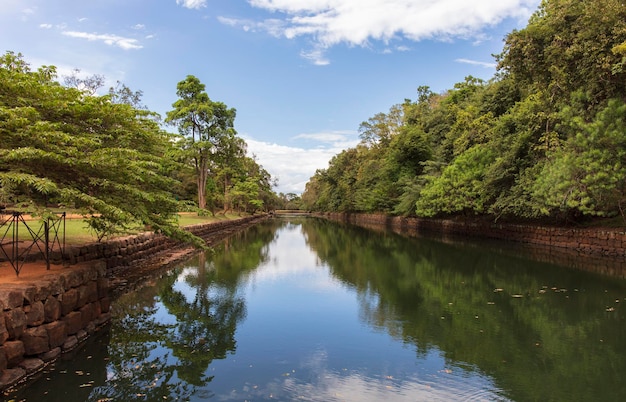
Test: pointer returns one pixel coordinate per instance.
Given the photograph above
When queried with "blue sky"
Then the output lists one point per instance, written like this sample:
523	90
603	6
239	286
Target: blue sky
302	74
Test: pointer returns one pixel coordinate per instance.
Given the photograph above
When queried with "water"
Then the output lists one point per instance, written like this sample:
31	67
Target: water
303	309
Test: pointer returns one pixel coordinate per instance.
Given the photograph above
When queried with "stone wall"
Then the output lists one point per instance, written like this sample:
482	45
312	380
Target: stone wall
42	318
600	250
128	250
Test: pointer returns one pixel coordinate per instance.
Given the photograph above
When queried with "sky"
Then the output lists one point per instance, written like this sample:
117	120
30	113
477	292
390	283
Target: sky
302	74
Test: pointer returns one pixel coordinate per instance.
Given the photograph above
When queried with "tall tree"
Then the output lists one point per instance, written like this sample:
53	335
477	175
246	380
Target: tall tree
203	124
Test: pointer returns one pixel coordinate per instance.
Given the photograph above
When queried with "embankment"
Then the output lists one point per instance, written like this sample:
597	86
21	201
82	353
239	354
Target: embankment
601	250
45	313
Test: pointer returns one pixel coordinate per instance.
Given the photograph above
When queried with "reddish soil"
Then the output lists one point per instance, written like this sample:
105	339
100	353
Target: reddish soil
28	271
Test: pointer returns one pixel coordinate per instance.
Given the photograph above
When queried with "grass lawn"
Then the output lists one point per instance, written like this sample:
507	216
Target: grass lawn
77	232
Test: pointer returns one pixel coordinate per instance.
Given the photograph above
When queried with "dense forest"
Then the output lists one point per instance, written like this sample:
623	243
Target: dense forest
545	138
109	158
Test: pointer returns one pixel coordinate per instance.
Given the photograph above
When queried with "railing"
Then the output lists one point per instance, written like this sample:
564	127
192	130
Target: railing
41	243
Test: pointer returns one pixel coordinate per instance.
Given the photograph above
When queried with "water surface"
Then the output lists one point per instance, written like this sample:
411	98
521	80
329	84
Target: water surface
304	309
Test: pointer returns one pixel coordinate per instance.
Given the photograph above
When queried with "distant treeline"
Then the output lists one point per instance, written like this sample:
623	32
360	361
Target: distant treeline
544	138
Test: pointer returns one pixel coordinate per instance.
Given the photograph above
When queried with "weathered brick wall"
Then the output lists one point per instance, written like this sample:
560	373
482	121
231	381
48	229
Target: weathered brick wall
597	249
43	318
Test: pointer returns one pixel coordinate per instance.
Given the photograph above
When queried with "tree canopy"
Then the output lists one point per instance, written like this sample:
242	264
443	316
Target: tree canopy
544	138
106	156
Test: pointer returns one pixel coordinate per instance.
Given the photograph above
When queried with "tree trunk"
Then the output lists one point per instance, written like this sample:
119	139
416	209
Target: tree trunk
202	176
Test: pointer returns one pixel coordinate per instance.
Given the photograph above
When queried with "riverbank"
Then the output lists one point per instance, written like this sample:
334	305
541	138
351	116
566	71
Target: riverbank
46	313
601	250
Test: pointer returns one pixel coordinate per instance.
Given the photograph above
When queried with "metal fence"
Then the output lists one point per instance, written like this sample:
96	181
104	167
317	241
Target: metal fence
21	241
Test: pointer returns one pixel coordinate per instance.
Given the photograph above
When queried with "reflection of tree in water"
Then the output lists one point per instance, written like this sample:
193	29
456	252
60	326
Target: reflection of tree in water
151	361
139	369
459	299
206	324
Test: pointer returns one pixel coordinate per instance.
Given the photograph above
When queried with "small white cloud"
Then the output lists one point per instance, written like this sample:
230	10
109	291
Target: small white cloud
477	63
83	19
336	139
192	4
273	27
139	27
109	39
316	56
233	22
45	26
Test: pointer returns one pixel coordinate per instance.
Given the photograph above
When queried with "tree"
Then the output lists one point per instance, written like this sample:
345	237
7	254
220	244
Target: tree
588	175
203	124
379	130
66	146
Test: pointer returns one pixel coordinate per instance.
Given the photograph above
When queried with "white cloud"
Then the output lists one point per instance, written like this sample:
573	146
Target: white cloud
294	166
109	39
359	22
192	4
316	56
477	63
45	26
139	27
336	139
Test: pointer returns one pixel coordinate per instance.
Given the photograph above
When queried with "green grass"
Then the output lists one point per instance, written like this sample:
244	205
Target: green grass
77	232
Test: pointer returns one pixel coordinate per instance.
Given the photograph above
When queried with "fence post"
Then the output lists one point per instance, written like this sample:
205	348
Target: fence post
46	228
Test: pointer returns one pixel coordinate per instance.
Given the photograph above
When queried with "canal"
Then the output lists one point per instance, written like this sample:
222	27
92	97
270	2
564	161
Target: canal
305	309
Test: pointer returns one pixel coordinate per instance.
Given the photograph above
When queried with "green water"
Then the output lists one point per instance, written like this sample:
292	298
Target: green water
303	309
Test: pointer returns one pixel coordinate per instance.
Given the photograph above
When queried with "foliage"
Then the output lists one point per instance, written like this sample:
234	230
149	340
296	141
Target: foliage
205	127
542	139
66	145
224	175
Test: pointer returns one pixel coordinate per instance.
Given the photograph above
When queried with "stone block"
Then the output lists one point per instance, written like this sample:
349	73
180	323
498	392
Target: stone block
32	365
82	296
91	328
34	314
57	333
90	293
103	287
73	279
51	355
4	334
88	314
68	300
105	305
52	309
11	376
70	343
82	335
14	352
15	321
35	341
3	359
11	298
103	319
73	321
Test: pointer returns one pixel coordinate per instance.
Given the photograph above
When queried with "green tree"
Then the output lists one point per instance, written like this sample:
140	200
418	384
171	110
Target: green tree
588	175
204	124
63	145
459	189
